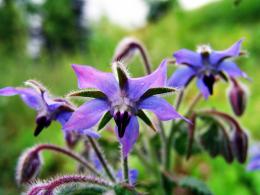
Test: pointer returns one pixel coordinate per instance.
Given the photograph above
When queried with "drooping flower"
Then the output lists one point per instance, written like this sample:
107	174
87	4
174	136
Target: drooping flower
48	108
205	64
122	98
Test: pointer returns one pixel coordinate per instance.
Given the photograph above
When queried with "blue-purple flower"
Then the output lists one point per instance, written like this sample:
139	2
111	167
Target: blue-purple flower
122	98
205	64
48	108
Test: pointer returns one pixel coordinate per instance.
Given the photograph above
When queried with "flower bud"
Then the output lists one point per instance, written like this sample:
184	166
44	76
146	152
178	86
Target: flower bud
72	139
240	145
237	97
126	49
28	167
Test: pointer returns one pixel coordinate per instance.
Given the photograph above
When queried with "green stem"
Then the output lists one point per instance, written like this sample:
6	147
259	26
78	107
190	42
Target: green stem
102	159
125	168
193	103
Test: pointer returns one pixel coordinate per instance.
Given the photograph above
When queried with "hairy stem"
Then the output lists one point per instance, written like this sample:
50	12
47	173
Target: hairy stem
124	167
102	159
48	187
69	153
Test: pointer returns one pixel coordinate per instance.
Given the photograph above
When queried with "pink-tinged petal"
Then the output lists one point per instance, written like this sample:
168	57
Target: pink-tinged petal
181	77
231	69
188	57
29	96
89	77
203	88
138	86
160	107
233	51
87	115
130	136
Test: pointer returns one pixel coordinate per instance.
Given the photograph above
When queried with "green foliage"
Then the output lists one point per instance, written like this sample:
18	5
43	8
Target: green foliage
196	186
12	27
124	190
181	141
216	141
61	26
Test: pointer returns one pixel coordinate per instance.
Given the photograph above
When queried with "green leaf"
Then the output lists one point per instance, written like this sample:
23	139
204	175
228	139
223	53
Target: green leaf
216	141
124	190
181	139
122	74
80	189
106	118
145	118
91	93
196	186
158	90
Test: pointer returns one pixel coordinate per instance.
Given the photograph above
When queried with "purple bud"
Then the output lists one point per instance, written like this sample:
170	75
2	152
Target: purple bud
28	166
237	97
126	49
72	139
240	145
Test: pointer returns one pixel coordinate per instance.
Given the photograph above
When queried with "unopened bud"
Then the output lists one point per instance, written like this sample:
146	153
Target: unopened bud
240	145
237	97
126	49
72	139
28	167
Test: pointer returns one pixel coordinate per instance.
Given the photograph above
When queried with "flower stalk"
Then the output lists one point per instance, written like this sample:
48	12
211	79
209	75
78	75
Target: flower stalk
102	159
125	168
48	187
69	153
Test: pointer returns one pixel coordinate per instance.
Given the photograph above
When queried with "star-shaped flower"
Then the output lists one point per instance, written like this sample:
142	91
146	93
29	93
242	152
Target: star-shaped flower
205	64
122	98
48	108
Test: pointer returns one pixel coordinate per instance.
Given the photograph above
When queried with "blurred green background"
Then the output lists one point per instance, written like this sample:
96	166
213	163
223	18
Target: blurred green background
64	41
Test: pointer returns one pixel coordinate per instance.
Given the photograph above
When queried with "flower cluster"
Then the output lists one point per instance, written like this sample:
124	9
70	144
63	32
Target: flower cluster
115	95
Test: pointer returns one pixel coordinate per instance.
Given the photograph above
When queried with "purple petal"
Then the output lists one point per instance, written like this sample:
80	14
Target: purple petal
89	132
203	88
63	117
89	77
87	115
233	51
231	69
95	161
254	164
188	57
160	107
28	95
181	77
52	104
130	136
138	86
133	174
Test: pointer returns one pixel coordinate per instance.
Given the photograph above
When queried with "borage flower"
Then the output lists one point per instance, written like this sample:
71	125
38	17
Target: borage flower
48	109
123	99
205	64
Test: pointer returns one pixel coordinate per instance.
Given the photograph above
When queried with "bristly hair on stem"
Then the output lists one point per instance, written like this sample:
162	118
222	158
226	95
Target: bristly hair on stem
102	159
124	161
49	186
69	153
